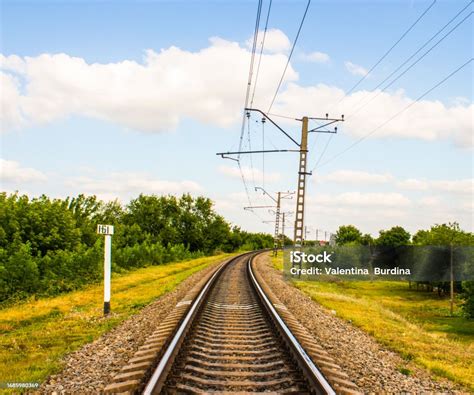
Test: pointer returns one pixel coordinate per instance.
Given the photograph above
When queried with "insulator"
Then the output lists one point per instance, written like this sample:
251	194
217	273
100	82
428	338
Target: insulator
263	120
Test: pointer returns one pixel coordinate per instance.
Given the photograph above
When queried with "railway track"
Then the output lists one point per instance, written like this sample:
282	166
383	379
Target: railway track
231	338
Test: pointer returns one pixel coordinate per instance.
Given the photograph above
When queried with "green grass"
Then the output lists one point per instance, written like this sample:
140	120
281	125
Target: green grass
415	324
36	335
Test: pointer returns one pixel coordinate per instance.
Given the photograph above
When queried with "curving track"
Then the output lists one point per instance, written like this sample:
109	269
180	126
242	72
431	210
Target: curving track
232	340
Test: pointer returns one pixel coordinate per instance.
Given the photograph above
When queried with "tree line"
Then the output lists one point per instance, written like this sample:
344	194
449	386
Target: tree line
50	246
442	244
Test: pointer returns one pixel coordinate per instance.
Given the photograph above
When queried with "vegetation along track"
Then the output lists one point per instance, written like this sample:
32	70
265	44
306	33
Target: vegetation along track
232	339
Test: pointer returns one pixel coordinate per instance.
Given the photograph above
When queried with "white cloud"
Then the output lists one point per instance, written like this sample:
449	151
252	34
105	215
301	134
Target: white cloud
150	95
364	200
356	177
10	112
428	120
465	186
362	178
275	41
371	212
249	173
232	203
126	185
355	69
207	86
12	172
414	184
316	57
431	201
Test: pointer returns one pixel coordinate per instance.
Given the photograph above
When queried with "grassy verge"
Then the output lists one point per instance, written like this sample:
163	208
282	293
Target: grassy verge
36	335
415	324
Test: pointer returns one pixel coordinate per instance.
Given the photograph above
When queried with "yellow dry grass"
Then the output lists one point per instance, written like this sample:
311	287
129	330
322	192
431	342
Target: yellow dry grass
37	334
415	324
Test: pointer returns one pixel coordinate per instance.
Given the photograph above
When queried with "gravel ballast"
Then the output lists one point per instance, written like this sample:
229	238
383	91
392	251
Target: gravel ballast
372	367
91	368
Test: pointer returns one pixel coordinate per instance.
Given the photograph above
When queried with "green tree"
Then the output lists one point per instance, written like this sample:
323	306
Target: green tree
157	216
19	273
394	237
444	235
446	243
367	240
85	210
348	234
468	298
49	246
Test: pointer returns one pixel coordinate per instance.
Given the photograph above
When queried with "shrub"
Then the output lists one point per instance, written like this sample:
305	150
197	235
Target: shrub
468	296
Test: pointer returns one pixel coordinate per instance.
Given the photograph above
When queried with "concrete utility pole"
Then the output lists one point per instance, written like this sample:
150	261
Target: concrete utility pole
283	231
301	189
276	238
302	173
303	151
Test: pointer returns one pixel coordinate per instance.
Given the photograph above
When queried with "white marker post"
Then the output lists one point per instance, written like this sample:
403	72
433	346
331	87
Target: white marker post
107	231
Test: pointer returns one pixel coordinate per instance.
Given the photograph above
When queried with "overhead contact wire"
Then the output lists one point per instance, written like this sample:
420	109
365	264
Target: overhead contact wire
289	56
398	113
388	52
415	62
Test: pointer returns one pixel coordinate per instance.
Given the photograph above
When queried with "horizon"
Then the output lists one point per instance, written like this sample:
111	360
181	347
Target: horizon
125	101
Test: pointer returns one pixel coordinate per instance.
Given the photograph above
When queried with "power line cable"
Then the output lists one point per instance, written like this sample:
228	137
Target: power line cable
247	94
261	52
263	154
256	81
282	116
397	114
323	152
407	69
414	63
423	46
289	57
250	149
387	53
372	68
249	80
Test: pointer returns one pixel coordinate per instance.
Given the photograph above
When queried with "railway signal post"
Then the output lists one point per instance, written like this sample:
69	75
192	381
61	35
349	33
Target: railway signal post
107	231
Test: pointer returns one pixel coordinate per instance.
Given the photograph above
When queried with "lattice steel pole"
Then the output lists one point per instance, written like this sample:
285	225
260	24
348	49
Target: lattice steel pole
301	189
276	239
283	231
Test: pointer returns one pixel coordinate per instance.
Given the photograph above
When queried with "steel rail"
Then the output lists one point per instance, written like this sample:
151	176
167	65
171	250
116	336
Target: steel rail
311	371
156	381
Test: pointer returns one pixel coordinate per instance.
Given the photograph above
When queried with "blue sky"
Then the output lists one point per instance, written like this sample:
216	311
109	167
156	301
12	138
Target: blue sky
109	118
